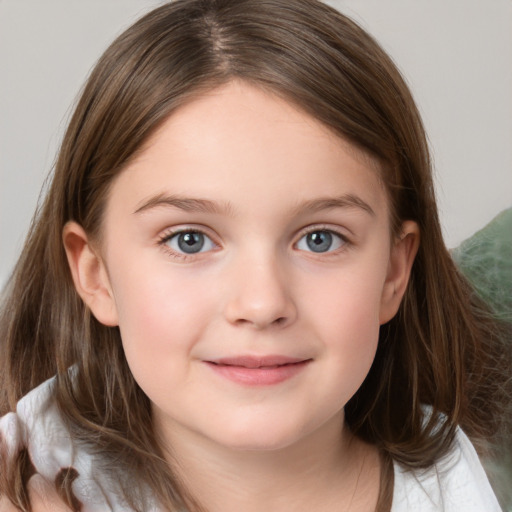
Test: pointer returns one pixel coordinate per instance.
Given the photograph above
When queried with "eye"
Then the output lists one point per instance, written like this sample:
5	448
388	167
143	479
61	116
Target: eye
189	242
321	240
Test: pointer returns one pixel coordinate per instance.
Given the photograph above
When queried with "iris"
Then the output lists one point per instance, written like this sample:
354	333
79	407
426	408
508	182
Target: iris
319	241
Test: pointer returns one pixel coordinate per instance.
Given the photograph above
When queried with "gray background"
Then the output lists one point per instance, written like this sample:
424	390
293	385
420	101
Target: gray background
456	55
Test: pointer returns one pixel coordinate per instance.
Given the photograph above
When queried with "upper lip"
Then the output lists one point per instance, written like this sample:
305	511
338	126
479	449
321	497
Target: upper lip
247	361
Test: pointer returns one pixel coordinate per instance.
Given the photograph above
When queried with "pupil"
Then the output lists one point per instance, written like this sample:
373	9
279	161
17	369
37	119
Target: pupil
191	242
319	241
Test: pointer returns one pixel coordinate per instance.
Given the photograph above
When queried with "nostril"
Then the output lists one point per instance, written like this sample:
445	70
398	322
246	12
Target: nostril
278	322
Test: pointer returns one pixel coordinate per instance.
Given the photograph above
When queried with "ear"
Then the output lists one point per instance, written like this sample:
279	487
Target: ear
89	274
401	259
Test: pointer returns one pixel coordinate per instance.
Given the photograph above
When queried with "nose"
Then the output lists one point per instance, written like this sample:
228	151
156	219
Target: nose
260	295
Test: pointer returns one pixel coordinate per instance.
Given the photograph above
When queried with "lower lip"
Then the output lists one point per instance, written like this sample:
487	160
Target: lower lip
259	376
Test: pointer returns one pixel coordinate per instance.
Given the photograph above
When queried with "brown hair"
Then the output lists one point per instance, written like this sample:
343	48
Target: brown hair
441	349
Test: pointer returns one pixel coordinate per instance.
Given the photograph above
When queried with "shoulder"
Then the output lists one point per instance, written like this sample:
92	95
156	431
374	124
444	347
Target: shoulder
19	429
37	428
42	496
457	483
33	429
38	433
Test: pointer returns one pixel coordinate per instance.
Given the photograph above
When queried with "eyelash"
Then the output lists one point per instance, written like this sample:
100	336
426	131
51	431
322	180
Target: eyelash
346	243
169	235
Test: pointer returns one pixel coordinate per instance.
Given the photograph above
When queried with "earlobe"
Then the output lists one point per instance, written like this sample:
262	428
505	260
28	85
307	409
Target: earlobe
89	274
401	259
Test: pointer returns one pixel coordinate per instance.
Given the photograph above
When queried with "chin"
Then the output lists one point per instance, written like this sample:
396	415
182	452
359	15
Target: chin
260	445
264	438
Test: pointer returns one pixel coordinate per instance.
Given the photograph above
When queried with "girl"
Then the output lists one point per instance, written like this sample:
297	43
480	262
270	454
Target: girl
236	295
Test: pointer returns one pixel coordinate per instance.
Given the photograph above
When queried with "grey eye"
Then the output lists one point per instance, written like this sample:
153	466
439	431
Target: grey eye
320	241
190	242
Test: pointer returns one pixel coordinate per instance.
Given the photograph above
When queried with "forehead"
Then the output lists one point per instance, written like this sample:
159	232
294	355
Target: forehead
238	141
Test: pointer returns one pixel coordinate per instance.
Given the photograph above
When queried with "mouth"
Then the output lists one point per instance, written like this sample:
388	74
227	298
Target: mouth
258	370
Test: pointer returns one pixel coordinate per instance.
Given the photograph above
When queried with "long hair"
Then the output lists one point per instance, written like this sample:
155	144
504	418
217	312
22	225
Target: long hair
441	349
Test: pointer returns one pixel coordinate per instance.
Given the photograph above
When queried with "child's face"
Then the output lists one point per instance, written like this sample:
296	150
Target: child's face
284	261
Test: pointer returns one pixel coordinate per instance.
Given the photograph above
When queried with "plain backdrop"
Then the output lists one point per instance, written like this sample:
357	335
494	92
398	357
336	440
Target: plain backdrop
455	54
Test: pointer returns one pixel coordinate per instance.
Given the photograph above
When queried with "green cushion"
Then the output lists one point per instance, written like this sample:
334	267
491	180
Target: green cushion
486	260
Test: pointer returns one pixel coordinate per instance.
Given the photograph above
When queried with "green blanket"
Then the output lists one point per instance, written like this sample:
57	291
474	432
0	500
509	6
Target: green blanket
486	260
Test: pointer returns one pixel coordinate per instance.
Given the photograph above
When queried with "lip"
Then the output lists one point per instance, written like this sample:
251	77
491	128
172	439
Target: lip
258	370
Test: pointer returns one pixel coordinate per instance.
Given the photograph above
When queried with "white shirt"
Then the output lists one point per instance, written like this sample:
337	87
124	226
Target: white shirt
457	483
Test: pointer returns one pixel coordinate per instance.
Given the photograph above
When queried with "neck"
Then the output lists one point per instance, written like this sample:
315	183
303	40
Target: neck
329	470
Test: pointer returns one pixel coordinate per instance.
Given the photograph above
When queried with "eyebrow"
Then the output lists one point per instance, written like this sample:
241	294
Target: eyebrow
185	203
200	205
328	203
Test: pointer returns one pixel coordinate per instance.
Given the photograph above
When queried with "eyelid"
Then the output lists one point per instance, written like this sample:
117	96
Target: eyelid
323	227
169	233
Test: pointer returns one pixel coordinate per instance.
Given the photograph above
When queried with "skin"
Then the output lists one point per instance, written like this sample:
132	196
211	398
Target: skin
256	288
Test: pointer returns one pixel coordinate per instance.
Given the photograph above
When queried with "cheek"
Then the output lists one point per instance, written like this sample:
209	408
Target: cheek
348	300
346	317
161	315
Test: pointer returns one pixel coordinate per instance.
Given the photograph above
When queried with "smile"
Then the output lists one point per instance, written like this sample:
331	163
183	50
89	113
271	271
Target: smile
258	371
